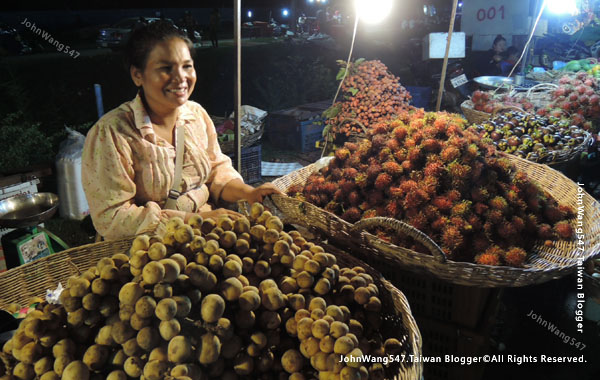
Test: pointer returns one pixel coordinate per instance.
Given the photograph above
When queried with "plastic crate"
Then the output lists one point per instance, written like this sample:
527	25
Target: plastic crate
297	128
251	161
420	96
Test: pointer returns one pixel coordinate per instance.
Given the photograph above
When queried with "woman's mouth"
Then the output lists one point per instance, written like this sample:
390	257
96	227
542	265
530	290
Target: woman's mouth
180	91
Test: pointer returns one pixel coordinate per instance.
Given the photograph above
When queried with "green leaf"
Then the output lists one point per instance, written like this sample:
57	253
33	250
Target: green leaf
341	73
340	62
332	111
359	61
353	91
326	130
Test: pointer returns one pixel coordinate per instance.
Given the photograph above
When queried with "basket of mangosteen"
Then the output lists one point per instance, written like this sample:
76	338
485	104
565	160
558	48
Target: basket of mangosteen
540	139
424	194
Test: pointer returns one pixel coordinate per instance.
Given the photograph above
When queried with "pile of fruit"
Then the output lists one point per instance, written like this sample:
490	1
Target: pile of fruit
213	299
424	169
369	94
577	99
529	136
486	102
589	66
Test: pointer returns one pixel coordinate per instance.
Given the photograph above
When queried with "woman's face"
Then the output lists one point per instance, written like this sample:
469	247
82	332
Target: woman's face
500	46
169	76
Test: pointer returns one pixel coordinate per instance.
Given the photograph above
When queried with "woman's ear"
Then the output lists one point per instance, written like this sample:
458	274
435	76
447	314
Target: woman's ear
136	76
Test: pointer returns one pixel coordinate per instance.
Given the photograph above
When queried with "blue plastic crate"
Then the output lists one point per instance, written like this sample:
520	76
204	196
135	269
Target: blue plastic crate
251	163
421	96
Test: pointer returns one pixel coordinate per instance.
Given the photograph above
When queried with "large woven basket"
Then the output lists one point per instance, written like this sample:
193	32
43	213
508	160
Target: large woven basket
543	263
20	284
472	115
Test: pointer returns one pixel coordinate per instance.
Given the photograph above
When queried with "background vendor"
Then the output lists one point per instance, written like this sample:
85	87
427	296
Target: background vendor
128	162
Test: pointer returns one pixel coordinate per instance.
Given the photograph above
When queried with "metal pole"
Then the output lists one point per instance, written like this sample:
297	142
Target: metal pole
237	92
445	65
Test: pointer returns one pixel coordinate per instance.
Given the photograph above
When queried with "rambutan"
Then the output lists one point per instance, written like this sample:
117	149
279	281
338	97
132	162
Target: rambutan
479	194
460	223
499	203
545	232
407	165
379	141
458	171
453	129
494	216
568	211
461	208
431	145
400	155
418	221
364	147
371	213
472	151
393	145
564	230
352	215
450	154
373	171
410	143
375	198
430	185
480	243
336	173
454	195
488	259
400	133
442	203
553	214
350	173
392	168
354	198
333	207
382	181
379	128
440	125
364	206
515	257
480	208
452	238
507	231
415	155
338	195
518	223
417	123
434	169
351	146
431	212
330	187
347	185
408	186
391	208
354	160
415	198
294	189
342	154
440	223
385	154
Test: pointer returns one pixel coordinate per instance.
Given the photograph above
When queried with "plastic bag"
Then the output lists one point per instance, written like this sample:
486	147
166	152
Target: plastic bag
73	204
251	119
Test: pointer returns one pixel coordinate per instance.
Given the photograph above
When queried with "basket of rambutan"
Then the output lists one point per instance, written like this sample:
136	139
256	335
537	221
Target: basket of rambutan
485	218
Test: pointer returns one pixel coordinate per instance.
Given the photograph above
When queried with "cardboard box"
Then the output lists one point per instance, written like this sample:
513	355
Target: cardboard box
434	45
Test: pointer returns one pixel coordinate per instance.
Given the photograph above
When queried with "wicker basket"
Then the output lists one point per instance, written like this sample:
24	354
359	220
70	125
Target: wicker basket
472	115
543	263
540	95
30	280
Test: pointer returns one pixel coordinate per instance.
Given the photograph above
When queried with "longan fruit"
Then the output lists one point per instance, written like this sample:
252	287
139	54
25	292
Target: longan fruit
305	328
256	210
208	348
43	365
374	304
242	246
79	287
262	219
296	301
183	234
317	303
131	347
180	259
166	309
130	293
211	247
305	280
322	287
50	375
159	353
270	236
117	375
162	290
95	357
272	299
141	242
289	285
302	313
310	346
241	225
157	251
320	328
231	289
232	269
60	363
138	260
169	329
350	373
148	338
30	353
179	350
153	273
262	269
249	300
292	361
212	308
291	326
228	239
91	301
338	329
133	366
299	262
317	314
104	336
257	232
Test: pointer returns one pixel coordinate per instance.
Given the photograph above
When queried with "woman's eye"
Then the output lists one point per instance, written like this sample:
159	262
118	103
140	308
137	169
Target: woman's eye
164	68
188	66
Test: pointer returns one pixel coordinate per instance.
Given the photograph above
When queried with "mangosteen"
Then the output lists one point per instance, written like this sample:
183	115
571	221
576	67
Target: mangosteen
496	135
519	131
502	144
532	156
526	140
579	139
514	141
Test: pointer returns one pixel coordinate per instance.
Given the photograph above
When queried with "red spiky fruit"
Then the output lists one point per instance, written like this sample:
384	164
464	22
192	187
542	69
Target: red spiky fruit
383	181
515	257
564	230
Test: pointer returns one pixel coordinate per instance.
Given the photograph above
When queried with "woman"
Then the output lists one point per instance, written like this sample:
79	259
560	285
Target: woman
128	160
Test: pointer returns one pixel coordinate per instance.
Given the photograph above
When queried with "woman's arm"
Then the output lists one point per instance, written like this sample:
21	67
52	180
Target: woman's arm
236	189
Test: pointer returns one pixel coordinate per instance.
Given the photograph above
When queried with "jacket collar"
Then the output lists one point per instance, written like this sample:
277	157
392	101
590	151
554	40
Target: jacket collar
144	124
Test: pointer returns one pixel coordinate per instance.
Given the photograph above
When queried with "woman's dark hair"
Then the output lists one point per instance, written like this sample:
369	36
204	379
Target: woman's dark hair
498	39
142	41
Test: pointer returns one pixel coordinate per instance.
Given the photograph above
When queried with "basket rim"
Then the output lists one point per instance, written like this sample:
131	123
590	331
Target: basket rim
499	276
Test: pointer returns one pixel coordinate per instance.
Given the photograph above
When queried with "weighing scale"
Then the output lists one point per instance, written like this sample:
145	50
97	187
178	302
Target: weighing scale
30	241
493	82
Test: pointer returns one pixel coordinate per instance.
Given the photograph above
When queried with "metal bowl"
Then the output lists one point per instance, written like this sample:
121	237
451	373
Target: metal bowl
494	82
27	210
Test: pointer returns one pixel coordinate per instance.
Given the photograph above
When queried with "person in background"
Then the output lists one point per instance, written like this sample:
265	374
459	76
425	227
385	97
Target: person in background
213	27
489	64
302	23
189	23
512	55
128	161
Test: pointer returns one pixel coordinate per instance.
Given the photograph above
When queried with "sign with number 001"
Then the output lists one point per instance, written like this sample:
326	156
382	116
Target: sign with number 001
485	17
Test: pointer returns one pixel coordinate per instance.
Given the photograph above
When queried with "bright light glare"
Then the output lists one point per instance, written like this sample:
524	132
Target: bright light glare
373	11
311	1
285	12
249	14
562	6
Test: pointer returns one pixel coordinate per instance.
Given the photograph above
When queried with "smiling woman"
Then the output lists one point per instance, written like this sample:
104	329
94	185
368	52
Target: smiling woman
128	163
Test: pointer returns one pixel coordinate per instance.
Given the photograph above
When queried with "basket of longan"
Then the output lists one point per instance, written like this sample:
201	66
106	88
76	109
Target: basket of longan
230	299
424	195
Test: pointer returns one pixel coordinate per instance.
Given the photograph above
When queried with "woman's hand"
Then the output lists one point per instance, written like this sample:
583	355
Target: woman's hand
257	194
214	214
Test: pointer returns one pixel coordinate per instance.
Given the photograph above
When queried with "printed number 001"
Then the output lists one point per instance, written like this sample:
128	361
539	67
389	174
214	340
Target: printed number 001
490	14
